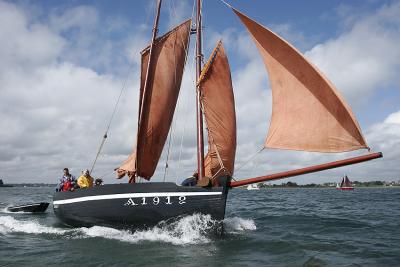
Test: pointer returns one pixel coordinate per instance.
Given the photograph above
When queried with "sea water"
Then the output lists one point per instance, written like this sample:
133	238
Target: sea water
267	227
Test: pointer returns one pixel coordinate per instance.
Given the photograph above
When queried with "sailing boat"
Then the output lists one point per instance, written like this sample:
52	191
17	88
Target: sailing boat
345	184
253	187
300	92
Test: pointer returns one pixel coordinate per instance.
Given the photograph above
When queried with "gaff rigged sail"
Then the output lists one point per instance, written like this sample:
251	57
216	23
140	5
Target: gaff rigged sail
345	182
219	111
164	81
307	113
342	182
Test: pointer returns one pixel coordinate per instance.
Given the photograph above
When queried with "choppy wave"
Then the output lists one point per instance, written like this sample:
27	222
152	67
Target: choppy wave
5	210
9	224
187	230
237	224
194	229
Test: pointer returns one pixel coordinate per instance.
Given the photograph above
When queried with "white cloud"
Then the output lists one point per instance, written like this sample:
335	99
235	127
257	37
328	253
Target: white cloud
385	136
59	82
366	57
82	18
394	119
359	61
178	12
53	111
62	117
253	102
25	44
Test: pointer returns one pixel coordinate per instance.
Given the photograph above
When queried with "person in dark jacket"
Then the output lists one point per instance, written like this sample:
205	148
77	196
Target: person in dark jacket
67	182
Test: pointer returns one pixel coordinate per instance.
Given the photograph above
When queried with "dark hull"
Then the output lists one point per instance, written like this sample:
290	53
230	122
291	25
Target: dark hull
34	207
137	205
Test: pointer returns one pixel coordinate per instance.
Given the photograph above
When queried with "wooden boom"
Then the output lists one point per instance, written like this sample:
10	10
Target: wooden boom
311	169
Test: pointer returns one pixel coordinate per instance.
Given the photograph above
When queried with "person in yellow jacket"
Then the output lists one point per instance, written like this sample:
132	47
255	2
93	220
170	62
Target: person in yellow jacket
85	180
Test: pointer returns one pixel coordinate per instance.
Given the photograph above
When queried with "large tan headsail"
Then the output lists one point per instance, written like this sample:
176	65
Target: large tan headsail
219	110
307	113
165	77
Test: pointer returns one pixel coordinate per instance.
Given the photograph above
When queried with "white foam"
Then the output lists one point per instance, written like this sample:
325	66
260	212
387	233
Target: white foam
187	230
8	225
192	229
4	210
236	224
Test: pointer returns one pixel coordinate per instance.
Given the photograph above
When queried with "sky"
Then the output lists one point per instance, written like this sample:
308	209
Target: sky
64	63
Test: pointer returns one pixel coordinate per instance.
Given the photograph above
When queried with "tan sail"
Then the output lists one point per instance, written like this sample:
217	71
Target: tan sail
219	111
164	80
127	167
308	113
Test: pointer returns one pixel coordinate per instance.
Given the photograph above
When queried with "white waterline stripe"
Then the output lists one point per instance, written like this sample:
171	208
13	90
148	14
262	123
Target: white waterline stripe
134	195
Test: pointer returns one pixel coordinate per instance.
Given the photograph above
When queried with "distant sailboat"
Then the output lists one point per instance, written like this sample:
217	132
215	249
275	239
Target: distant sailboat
253	187
345	184
308	114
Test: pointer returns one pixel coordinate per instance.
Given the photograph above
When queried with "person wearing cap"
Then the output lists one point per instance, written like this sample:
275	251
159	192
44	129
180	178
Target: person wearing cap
85	180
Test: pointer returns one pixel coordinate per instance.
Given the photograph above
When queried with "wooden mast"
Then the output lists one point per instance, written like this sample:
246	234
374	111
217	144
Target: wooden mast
143	105
199	58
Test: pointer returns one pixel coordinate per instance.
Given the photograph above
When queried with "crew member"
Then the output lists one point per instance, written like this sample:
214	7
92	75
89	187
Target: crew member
85	180
67	181
98	182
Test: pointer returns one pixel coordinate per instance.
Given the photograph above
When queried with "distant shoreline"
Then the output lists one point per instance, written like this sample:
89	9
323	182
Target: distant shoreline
29	185
320	187
284	186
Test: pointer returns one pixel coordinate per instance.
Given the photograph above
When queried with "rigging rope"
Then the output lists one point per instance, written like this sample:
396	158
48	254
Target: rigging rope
251	158
109	123
186	101
256	164
172	10
168	151
112	115
105	174
186	114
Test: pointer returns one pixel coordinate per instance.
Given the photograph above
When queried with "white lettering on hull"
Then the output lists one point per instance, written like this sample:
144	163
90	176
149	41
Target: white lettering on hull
182	196
155	202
